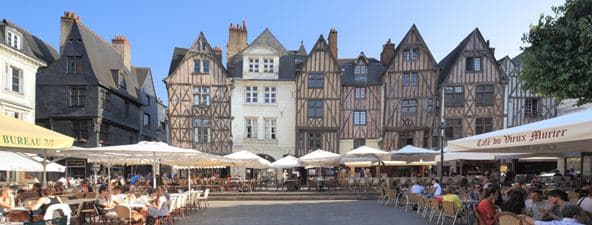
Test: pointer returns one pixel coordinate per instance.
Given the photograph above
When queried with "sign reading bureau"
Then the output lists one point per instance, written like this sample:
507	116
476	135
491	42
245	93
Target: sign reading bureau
11	140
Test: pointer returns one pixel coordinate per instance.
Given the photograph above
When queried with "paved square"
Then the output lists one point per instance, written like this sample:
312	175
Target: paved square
366	212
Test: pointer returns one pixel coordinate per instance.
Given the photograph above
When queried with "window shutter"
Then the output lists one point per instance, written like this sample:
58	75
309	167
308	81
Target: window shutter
21	82
7	77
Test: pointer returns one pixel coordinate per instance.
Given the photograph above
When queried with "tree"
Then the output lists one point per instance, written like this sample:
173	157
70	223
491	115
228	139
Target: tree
557	62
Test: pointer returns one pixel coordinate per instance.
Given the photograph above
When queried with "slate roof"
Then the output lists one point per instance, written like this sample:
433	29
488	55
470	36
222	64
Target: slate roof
516	60
375	69
141	73
448	62
178	54
32	45
104	59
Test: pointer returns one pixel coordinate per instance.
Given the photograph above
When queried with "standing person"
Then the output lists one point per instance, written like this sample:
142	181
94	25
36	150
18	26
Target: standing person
486	207
536	205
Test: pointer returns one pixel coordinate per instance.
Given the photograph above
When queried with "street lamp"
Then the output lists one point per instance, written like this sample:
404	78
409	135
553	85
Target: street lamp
442	128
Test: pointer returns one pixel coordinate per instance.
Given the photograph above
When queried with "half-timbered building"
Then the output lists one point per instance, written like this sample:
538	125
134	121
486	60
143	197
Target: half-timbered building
199	90
473	85
523	106
361	96
318	99
409	94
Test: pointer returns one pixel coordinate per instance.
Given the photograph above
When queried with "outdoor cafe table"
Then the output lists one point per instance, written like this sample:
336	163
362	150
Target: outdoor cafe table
78	201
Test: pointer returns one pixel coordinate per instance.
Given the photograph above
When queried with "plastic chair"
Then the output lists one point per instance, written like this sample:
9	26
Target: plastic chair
204	199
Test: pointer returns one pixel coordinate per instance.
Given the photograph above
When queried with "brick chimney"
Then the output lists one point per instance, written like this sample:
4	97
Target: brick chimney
124	48
237	40
333	41
66	22
218	52
388	52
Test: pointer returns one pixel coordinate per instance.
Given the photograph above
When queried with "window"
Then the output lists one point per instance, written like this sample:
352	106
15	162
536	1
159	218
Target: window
201	131
13	40
315	80
74	64
77	97
473	64
359	117
484	95
270	129
147	100
13	114
315	108
121	81
426	139
408	106
127	110
254	65
358	142
146	120
454	96
483	125
206	66
430	105
315	140
409	79
360	72
80	130
410	54
197	66
405	138
360	93
251	94
201	96
268	65
104	134
270	94
16	79
251	124
453	129
531	107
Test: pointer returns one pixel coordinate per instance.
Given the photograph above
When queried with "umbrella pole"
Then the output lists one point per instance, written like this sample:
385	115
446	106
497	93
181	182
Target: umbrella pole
8	177
189	179
154	170
44	168
109	177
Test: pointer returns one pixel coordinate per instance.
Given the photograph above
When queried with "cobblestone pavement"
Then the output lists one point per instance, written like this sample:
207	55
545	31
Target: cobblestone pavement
366	212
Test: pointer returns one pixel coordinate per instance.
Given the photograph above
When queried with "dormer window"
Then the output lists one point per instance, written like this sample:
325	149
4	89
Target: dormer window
254	65
268	65
13	40
360	72
121	81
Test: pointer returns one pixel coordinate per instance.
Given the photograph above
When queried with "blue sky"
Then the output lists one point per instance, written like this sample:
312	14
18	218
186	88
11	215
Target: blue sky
154	28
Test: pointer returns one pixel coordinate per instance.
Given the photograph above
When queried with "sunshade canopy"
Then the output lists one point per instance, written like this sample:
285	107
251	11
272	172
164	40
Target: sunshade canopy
12	161
22	135
320	158
568	133
248	159
286	163
413	150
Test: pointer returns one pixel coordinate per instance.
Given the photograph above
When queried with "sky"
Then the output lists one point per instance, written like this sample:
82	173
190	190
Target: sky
155	28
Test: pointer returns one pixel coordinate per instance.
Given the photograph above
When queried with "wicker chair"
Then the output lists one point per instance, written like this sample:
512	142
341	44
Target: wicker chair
391	197
411	199
507	218
450	211
435	210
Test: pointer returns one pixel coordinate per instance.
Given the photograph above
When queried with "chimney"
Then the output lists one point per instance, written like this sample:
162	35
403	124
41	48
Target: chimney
124	48
66	22
218	52
237	40
333	41
388	52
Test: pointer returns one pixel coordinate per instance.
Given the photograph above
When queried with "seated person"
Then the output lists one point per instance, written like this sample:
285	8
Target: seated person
40	206
536	206
158	208
486	207
572	215
417	188
514	203
117	197
104	204
474	194
6	201
85	187
451	196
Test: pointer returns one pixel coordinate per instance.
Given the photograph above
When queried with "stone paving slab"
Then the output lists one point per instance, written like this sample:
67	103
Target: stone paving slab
328	212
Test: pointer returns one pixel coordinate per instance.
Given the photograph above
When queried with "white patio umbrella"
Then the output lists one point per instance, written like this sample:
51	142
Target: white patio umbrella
365	153
12	161
287	162
320	158
568	133
413	153
248	159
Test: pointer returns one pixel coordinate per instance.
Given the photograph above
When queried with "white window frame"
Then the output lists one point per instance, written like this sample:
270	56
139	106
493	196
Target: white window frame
268	65
270	129
10	79
360	118
201	95
251	128
270	95
254	65
251	94
14	40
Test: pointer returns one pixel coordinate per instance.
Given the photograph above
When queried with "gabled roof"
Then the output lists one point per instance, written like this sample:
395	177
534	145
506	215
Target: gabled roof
32	45
104	59
321	45
517	61
267	40
449	61
374	70
301	50
412	30
181	53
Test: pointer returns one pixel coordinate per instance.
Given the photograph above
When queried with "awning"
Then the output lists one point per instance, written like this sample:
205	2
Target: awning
19	135
568	133
12	161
